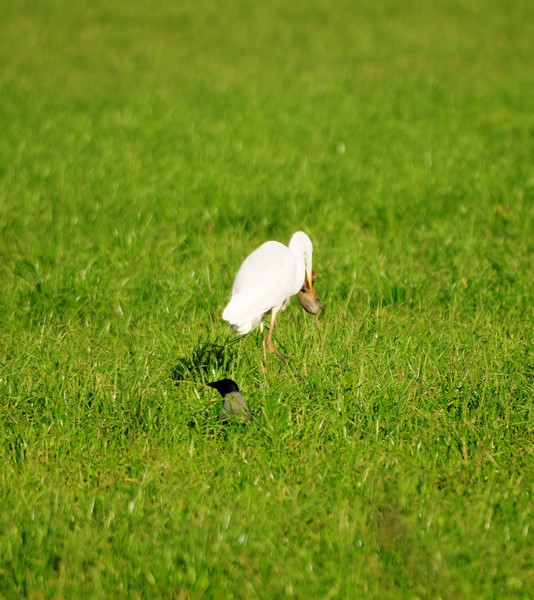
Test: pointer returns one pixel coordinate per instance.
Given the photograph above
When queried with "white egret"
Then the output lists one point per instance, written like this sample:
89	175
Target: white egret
266	281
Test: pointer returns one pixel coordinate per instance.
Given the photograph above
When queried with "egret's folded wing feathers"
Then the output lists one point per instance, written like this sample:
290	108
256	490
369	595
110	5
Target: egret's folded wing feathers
251	304
265	262
257	290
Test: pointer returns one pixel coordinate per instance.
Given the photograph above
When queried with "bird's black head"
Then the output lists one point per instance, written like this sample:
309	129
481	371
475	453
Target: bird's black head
225	386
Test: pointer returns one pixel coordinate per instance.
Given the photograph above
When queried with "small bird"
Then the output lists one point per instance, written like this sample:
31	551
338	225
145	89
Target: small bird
265	283
234	406
309	300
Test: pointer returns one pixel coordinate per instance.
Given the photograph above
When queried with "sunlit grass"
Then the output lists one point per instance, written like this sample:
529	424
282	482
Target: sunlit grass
144	152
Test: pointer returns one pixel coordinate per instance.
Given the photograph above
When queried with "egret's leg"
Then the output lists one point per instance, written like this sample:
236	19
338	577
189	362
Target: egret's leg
263	346
269	342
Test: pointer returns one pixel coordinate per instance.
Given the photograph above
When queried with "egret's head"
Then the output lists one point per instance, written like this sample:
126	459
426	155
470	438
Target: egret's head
301	245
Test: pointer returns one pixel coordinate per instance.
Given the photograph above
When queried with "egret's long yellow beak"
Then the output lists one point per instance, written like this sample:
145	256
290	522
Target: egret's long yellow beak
309	279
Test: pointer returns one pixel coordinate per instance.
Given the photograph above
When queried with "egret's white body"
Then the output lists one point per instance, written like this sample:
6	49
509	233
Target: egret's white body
266	281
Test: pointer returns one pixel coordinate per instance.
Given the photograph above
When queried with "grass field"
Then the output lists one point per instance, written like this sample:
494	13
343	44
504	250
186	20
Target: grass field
145	150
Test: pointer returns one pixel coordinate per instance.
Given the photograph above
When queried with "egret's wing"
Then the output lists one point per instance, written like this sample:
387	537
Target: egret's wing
264	280
250	305
268	258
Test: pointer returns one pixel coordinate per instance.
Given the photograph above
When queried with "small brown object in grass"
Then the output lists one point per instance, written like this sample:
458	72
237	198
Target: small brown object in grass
309	300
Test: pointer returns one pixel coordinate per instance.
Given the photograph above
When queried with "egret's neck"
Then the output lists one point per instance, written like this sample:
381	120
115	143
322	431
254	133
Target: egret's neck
300	273
301	248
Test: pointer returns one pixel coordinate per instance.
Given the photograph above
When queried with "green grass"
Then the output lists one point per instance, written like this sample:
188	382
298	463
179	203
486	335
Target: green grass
144	151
